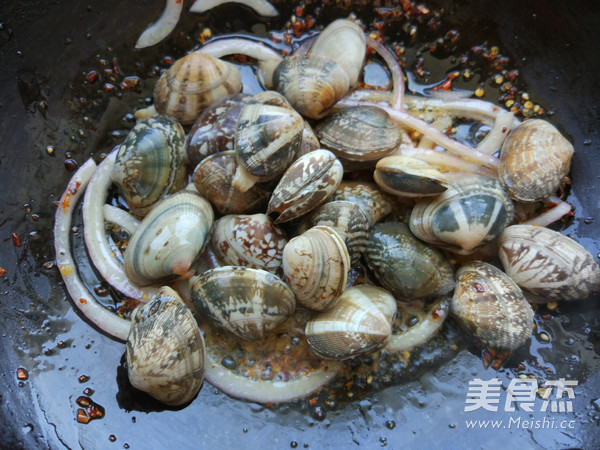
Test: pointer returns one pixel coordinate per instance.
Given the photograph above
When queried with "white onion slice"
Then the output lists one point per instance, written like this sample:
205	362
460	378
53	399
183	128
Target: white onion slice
262	7
82	298
552	215
160	29
96	240
397	101
120	218
505	122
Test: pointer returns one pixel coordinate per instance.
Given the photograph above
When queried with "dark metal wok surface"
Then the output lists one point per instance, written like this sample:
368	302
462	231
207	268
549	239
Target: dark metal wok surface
46	48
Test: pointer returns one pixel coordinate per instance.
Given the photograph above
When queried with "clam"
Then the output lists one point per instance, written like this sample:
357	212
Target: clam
489	305
374	204
214	129
315	265
360	322
534	159
406	266
165	350
169	240
359	133
409	177
149	163
248	240
192	83
213	178
547	263
347	219
470	213
267	137
247	302
315	81
305	185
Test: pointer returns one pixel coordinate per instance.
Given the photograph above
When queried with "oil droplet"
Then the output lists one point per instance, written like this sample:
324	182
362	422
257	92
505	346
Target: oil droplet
293	444
544	337
112	438
83	378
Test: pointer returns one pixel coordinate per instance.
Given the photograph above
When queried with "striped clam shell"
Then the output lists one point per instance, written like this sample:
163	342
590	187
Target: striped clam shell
406	266
149	163
307	183
267	137
472	212
165	350
247	302
360	322
192	83
213	178
408	177
490	306
534	159
248	240
547	263
169	240
347	219
374	204
359	133
315	265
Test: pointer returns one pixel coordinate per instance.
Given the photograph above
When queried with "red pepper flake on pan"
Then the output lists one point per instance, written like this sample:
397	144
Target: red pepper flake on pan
22	374
16	239
2	271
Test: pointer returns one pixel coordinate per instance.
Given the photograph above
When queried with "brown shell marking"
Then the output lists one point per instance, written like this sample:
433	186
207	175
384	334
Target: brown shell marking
547	263
374	203
491	307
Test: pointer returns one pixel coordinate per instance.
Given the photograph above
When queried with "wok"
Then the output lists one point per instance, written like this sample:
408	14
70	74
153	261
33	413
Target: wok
46	50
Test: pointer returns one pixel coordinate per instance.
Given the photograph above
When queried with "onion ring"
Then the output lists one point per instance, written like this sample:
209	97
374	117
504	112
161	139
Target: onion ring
262	7
160	29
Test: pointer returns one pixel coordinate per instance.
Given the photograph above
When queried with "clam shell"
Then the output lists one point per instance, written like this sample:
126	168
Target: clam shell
192	83
165	350
359	133
547	263
247	302
214	129
347	219
248	240
408	177
213	178
374	204
534	159
315	265
267	138
406	266
491	307
169	240
311	84
305	185
149	163
360	322
472	212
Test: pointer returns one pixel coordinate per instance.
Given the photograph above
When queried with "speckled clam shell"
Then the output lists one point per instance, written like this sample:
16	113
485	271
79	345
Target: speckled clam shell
491	307
368	196
213	178
214	129
169	240
534	159
359	133
472	212
305	185
192	83
406	266
408	177
149	163
547	263
315	265
248	240
267	137
360	322
347	219
165	350
311	84
247	302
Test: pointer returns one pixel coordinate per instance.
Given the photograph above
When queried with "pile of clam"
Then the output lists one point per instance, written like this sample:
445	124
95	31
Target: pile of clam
275	217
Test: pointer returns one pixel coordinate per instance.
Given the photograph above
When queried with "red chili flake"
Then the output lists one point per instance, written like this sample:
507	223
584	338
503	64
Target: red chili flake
299	11
84	402
91	76
16	240
109	88
115	66
88	391
112	438
22	374
83	300
82	416
83	378
437	313
443	86
130	82
167	60
95	411
2	271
